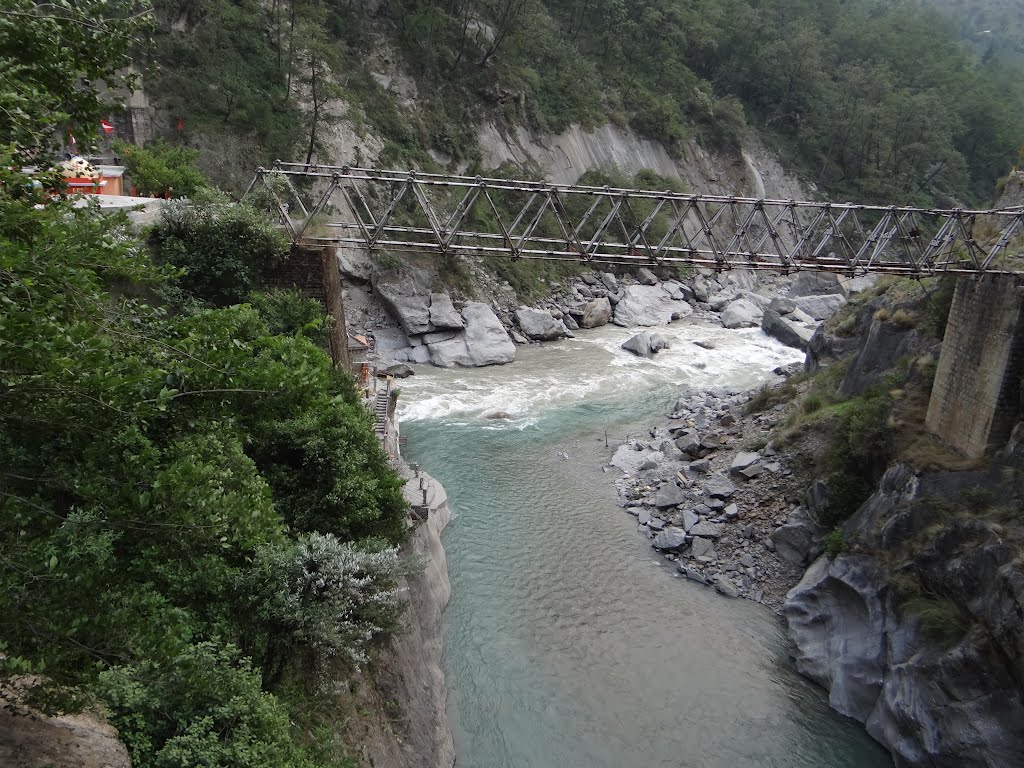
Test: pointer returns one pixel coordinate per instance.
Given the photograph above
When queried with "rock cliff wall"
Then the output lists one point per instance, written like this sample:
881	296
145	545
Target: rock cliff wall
409	686
918	630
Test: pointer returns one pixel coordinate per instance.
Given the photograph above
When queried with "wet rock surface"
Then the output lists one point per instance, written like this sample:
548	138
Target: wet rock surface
699	508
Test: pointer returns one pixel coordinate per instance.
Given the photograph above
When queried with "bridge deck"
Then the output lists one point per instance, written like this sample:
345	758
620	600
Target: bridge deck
441	214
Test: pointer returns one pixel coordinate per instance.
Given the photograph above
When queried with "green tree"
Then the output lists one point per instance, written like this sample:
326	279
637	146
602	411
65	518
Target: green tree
57	63
163	170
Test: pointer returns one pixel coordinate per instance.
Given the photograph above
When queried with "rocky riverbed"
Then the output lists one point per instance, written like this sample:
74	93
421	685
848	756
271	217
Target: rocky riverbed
715	497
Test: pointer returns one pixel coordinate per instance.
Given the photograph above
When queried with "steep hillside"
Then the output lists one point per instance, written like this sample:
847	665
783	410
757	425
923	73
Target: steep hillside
876	102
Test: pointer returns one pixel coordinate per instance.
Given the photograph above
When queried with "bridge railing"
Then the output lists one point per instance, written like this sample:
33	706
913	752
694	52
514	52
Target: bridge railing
440	214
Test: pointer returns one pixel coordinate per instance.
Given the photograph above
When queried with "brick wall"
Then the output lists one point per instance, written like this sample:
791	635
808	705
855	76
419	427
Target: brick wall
975	399
303	270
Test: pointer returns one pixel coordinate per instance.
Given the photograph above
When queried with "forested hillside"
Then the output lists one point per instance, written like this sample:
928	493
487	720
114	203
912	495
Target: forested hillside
877	101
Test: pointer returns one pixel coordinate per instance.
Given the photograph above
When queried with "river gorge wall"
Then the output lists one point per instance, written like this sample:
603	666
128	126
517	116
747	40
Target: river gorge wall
408	690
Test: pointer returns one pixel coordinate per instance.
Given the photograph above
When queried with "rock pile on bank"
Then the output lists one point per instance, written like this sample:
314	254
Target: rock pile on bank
718	501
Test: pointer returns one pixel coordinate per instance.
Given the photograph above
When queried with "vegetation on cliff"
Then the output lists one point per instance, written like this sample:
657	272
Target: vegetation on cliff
197	523
877	101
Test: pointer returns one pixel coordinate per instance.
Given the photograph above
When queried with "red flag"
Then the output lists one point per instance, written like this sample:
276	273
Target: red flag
107	127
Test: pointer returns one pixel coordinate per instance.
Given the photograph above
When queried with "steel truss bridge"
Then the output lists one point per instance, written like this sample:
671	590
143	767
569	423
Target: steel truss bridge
441	215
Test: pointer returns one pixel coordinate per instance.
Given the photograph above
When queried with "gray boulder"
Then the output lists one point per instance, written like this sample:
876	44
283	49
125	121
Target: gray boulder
790	333
610	281
407	304
399	370
443	313
794	541
723	585
645	344
688	444
644	276
718	486
741	313
703	548
690	519
355	264
671	539
816	284
820	307
596	313
782	305
539	325
483	342
743	460
707	530
669	495
647	305
387	340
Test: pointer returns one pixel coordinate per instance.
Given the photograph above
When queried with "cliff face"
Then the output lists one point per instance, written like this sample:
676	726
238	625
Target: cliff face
408	693
916	627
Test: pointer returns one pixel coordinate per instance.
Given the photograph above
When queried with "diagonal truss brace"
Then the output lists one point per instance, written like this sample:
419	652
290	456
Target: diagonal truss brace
448	214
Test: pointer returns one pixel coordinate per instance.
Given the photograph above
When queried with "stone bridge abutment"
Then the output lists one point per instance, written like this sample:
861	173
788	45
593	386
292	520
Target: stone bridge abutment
976	396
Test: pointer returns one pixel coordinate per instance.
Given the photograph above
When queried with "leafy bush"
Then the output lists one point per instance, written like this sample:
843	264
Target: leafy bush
225	250
163	170
858	455
289	312
317	600
835	543
203	707
329	474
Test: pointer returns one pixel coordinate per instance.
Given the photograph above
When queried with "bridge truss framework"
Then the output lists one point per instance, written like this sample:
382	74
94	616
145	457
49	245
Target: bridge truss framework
440	214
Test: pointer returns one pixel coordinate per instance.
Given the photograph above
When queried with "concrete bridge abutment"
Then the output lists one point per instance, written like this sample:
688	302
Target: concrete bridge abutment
976	396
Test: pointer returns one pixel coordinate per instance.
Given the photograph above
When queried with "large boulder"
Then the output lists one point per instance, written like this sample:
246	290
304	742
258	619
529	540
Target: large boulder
407	303
596	313
648	305
820	307
741	313
816	284
645	344
671	539
443	314
798	540
644	276
539	325
790	332
669	495
483	342
355	264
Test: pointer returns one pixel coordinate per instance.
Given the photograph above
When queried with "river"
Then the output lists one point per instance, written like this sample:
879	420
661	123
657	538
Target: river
569	643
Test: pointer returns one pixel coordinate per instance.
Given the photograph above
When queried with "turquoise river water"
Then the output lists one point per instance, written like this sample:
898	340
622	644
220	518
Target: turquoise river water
568	643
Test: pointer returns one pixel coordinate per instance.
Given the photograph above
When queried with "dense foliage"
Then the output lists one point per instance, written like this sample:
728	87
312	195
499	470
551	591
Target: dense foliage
169	482
162	170
224	250
57	61
880	101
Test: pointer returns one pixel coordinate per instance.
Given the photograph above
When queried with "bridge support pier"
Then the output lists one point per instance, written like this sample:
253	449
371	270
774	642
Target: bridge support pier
315	272
976	396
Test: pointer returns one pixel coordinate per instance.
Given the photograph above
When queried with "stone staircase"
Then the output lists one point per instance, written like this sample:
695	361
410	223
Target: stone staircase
380	411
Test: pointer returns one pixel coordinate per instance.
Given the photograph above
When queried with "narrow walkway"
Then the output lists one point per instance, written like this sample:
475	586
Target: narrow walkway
424	494
380	410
